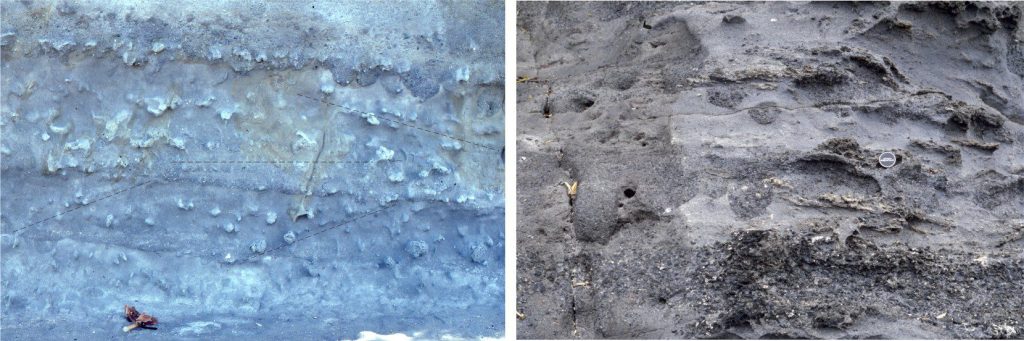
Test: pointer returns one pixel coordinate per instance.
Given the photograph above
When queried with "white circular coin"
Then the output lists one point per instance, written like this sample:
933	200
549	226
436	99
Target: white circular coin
887	159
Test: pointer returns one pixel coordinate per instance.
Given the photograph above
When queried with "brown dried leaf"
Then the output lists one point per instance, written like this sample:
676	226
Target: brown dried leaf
130	313
146	320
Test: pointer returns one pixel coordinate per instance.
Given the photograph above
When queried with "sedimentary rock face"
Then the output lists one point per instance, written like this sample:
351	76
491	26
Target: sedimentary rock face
153	155
729	183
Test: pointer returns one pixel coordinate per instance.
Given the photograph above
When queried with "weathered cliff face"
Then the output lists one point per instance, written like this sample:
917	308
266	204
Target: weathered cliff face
728	179
309	169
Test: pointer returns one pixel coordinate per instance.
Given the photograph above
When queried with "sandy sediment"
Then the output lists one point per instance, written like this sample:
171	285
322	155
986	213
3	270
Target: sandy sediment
726	156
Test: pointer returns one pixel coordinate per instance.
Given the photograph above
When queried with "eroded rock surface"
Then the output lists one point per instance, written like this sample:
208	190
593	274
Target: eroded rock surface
728	179
252	168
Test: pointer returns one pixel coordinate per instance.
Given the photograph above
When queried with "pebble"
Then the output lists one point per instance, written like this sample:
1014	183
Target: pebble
326	82
215	53
182	205
260	246
416	248
177	142
479	254
397	176
388	262
385	154
59	130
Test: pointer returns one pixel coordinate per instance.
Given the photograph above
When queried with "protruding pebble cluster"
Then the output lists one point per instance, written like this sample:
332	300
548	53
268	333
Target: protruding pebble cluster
416	248
259	246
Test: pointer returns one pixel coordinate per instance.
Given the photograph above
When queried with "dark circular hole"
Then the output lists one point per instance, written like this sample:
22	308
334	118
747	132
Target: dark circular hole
629	192
582	103
643	144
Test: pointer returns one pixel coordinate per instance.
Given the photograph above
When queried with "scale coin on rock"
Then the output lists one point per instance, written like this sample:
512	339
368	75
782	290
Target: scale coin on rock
887	159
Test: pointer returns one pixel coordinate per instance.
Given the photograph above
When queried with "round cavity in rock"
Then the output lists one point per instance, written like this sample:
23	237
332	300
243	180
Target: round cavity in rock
582	103
629	192
387	262
764	113
620	81
733	19
421	83
368	76
726	98
342	71
391	83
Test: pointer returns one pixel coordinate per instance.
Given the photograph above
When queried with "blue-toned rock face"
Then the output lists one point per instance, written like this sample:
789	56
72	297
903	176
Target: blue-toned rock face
298	170
715	170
